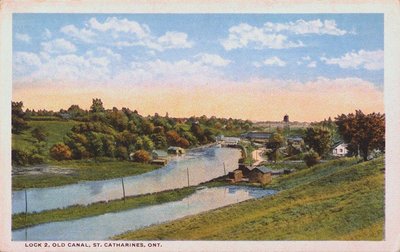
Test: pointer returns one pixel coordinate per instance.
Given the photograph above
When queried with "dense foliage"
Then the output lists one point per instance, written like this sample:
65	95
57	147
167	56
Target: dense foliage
362	132
318	139
116	133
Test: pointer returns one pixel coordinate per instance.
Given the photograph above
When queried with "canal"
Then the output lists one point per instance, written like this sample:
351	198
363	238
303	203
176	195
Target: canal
103	227
194	167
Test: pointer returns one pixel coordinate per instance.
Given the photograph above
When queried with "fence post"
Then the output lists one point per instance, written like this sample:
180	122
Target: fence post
123	187
187	171
26	213
224	169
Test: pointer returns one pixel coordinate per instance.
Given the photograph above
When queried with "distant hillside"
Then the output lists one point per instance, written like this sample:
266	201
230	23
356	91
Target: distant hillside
338	200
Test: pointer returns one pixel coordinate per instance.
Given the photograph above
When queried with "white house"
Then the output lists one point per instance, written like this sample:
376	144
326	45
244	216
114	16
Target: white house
340	150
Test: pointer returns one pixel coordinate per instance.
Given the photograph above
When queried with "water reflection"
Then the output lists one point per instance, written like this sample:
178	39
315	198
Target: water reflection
203	165
104	226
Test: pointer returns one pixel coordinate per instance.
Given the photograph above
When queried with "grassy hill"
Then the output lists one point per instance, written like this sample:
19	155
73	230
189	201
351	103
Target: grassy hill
56	129
337	200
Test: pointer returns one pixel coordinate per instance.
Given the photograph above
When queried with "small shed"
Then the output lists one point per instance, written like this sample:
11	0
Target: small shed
245	170
235	176
261	175
176	150
159	154
159	157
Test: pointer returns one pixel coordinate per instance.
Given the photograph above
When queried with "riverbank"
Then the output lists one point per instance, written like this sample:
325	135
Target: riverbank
337	200
98	208
73	171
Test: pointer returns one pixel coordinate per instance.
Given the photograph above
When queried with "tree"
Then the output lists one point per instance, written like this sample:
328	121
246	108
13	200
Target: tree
172	137
311	158
362	132
147	143
147	127
60	151
118	119
159	141
275	142
75	111
97	106
183	143
95	146
318	139
141	156
40	133
18	118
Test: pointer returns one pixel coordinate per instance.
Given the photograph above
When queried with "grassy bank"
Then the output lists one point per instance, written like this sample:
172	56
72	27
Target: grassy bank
98	208
81	170
337	200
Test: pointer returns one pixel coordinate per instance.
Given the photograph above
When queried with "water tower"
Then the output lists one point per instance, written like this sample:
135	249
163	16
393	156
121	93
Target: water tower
286	119
286	125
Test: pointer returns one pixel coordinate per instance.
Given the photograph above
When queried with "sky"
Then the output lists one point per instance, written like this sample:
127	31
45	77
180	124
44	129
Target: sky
249	66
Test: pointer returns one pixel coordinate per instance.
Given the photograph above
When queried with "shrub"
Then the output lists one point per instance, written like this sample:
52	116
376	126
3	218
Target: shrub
36	159
121	152
60	151
24	157
141	156
20	157
311	158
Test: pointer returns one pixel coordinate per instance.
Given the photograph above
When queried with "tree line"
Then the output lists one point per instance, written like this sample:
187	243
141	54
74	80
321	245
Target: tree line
117	133
363	134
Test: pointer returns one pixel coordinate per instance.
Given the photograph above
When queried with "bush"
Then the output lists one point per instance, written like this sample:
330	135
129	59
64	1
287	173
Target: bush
141	156
20	157
121	152
311	158
36	159
60	152
24	157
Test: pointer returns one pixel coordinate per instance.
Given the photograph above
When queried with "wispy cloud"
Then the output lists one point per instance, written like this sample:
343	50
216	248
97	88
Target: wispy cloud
212	59
104	65
47	34
275	35
23	37
58	46
245	35
114	24
312	64
122	32
83	34
25	62
370	60
301	26
272	61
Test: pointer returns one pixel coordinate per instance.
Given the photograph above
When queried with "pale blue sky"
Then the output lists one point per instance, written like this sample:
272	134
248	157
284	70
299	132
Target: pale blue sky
350	46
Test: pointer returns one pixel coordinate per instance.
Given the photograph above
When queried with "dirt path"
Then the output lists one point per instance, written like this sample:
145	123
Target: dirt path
257	156
40	169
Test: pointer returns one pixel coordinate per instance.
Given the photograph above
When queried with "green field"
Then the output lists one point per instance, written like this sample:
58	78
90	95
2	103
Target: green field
56	129
81	170
80	211
337	200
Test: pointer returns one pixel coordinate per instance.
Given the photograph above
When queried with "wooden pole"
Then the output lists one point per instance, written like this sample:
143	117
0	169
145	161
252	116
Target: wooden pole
26	205
123	187
26	213
224	169
187	172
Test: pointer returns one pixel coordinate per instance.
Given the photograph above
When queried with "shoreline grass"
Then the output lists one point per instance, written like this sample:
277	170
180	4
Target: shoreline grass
99	208
82	170
338	200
